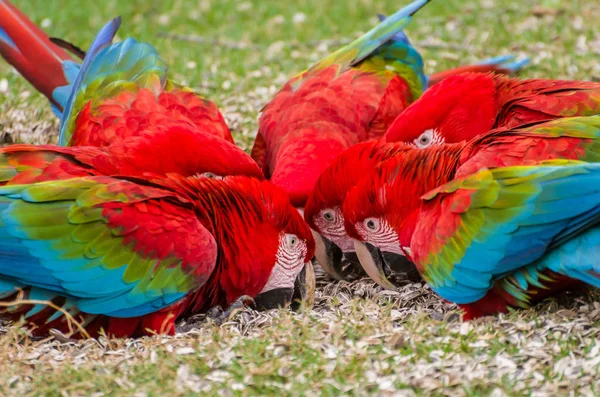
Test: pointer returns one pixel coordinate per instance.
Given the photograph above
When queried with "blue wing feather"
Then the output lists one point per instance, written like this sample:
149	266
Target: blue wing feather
558	215
56	259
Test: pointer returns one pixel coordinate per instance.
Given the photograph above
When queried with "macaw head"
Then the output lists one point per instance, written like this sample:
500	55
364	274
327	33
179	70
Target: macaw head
323	212
264	245
456	109
381	212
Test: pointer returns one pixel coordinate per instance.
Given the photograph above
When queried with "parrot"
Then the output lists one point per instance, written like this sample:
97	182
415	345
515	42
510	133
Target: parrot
506	213
323	211
349	96
131	252
457	109
119	90
469	104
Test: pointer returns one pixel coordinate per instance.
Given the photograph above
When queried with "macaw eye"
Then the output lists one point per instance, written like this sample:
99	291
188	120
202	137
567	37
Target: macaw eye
292	240
328	215
424	140
372	224
210	175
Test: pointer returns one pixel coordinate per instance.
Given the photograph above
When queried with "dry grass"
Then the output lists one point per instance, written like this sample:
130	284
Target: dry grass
358	339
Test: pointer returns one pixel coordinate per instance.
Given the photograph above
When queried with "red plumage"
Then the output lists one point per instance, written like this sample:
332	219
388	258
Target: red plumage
392	193
159	216
35	56
178	149
143	112
464	106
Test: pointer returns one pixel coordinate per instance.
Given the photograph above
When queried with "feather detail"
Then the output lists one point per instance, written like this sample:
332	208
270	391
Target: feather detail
27	48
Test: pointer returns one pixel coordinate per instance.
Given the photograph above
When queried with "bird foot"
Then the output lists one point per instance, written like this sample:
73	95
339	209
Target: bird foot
220	316
217	314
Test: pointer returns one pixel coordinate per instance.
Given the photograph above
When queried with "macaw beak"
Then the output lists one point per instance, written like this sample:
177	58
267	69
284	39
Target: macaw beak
274	298
304	288
388	269
339	265
302	293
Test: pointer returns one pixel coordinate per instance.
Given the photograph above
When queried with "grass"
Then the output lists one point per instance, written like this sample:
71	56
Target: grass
358	340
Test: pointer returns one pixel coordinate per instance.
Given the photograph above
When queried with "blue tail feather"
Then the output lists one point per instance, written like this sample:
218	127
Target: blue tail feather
102	39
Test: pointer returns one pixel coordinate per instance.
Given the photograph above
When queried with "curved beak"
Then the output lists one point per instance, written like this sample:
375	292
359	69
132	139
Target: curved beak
339	265
274	298
304	288
387	269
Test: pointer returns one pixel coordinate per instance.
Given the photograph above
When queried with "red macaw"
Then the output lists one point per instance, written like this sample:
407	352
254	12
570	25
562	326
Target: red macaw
323	211
464	106
459	108
348	97
128	250
495	215
120	90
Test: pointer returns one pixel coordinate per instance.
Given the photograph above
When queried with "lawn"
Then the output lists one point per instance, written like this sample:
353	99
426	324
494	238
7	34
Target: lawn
358	339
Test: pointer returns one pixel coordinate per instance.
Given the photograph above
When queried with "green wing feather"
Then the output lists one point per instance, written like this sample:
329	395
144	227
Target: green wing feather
119	248
478	228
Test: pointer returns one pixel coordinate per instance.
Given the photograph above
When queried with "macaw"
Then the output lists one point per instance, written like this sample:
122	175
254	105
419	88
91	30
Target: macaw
500	214
120	90
130	251
323	211
350	96
464	106
459	108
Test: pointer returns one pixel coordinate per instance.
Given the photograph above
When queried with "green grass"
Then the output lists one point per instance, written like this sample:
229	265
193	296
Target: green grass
357	341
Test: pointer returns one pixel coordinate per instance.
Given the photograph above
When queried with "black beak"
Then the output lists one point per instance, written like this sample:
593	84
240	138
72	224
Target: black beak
387	269
337	264
272	299
304	288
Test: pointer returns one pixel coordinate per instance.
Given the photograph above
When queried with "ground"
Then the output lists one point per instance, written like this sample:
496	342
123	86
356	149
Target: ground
358	339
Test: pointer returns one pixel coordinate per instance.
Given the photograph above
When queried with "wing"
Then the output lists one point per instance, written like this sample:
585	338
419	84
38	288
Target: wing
175	150
478	228
85	76
574	138
525	101
26	164
118	248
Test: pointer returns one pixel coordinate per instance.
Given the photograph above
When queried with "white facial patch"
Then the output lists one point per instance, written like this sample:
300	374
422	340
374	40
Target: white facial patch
344	242
428	138
290	261
330	222
281	277
379	233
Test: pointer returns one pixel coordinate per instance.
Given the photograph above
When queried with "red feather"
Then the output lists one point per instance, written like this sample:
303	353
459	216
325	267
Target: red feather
311	121
393	192
464	106
36	57
142	113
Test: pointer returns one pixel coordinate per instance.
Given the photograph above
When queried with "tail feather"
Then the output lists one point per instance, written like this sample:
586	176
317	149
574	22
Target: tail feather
400	36
363	47
108	68
26	47
385	31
